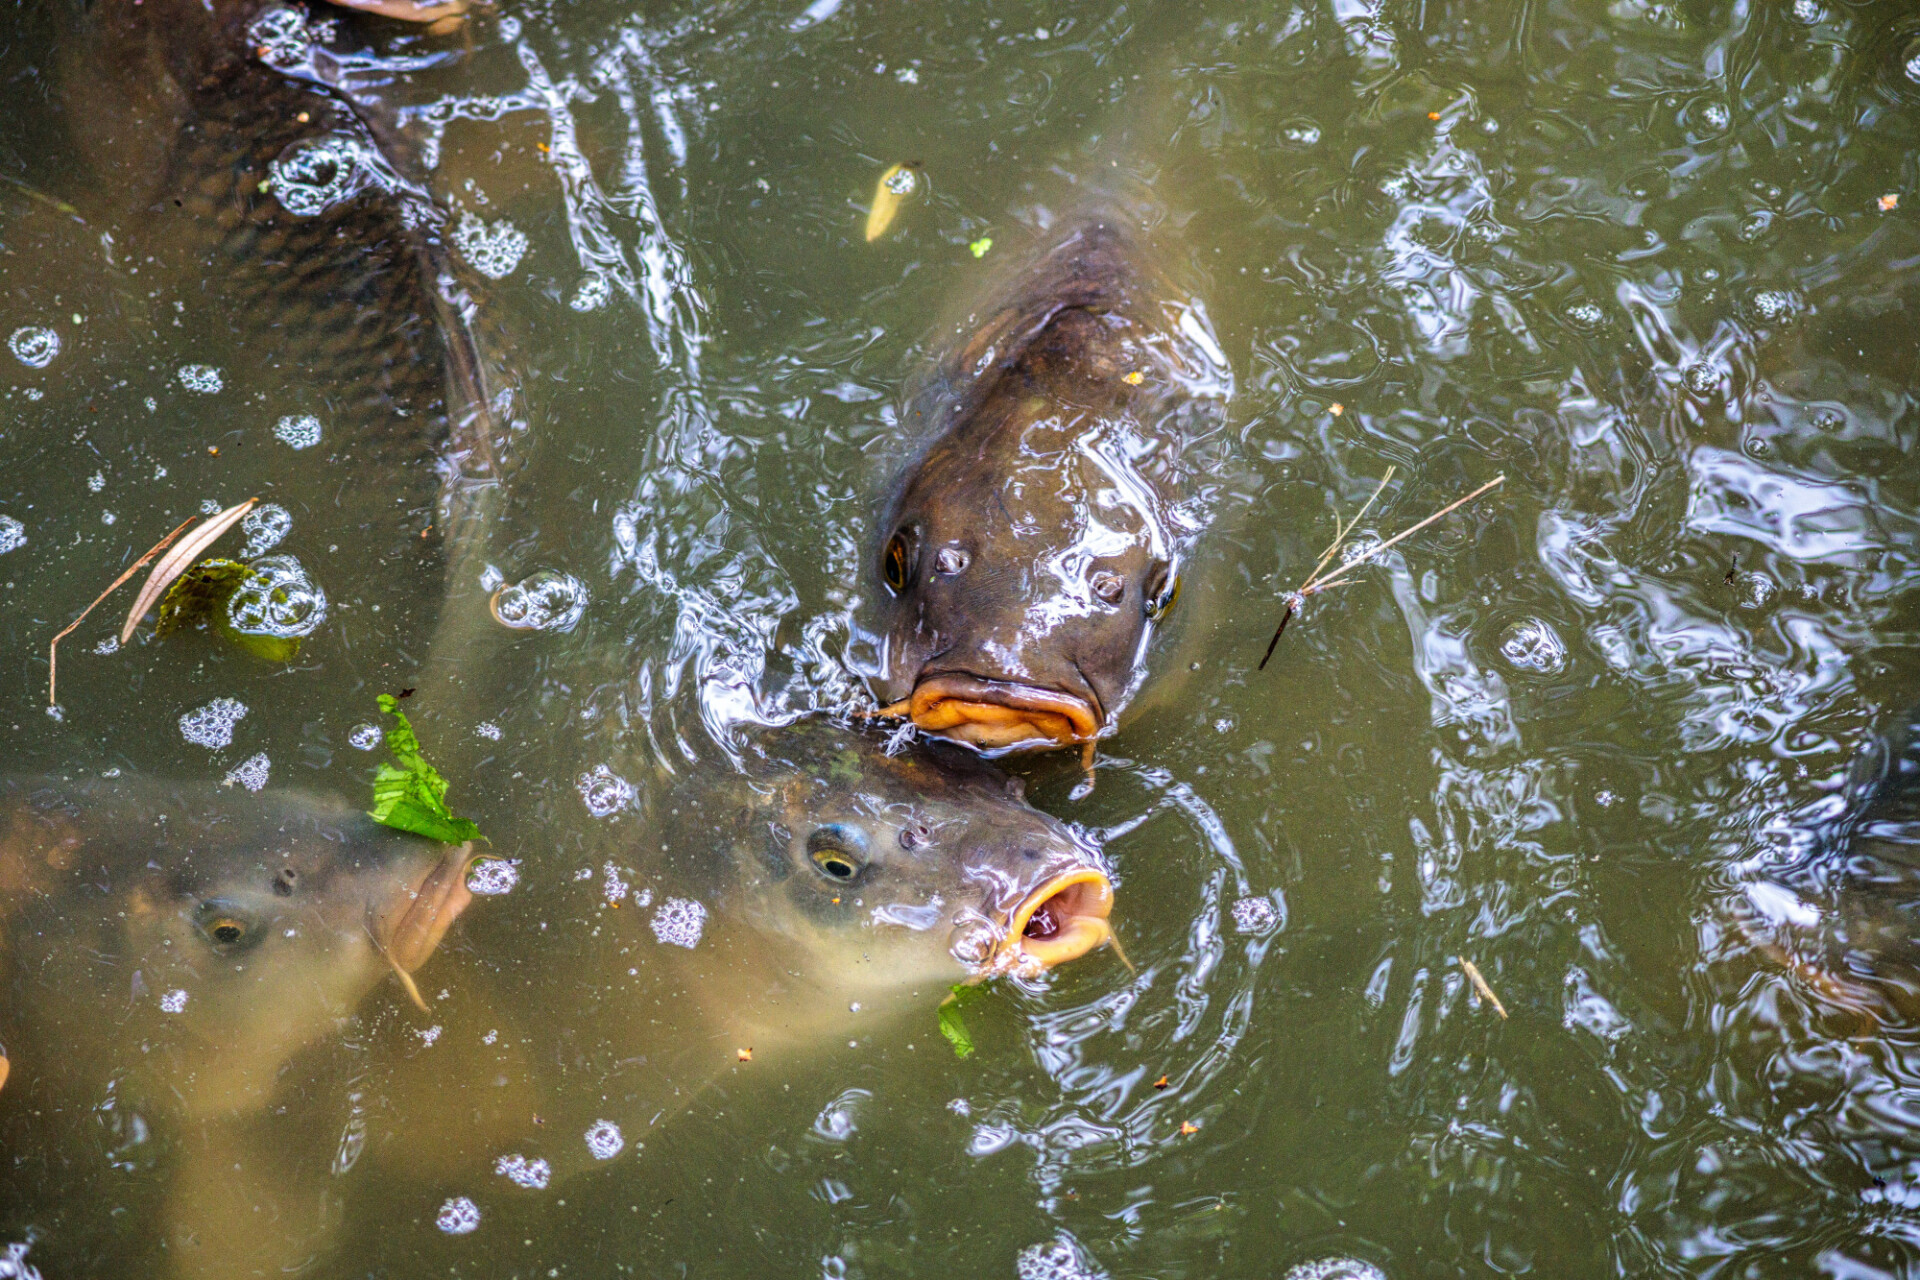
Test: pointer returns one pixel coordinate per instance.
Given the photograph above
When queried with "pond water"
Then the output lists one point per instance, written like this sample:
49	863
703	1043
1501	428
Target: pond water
1655	263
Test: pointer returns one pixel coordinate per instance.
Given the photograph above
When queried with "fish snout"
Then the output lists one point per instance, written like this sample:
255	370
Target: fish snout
1000	715
408	926
1063	919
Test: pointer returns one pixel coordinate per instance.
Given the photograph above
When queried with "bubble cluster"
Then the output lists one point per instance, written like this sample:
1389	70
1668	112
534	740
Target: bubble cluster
298	430
1255	915
1775	305
34	346
1700	377
364	737
250	773
265	527
1828	420
487	729
522	1172
174	1001
492	877
211	726
315	174
1533	645
1716	116
277	599
679	922
604	791
1753	590
13	535
1587	315
458	1217
544	601
595	292
605	1140
279	36
1060	1258
494	251
202	378
1336	1269
1300	134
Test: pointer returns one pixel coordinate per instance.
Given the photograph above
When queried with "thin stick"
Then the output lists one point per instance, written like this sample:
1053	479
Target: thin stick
53	649
1340	532
1339	579
1480	985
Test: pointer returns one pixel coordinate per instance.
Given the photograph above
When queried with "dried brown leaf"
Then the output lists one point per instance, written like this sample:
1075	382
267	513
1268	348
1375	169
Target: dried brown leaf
178	560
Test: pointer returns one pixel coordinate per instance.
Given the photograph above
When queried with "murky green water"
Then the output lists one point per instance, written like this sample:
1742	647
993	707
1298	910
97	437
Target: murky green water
1633	256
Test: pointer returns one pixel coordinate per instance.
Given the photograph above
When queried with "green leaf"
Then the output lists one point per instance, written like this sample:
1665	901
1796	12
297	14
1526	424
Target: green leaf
199	598
410	794
952	1025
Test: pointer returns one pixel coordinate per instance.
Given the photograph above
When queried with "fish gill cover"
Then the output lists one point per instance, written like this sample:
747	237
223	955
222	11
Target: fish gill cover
409	794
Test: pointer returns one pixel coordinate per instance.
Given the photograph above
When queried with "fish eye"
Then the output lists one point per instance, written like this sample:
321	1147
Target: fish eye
1109	586
896	565
1162	591
838	852
226	928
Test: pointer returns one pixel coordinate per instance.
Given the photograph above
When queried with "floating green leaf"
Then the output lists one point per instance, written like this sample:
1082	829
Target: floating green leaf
979	247
200	597
410	794
952	1025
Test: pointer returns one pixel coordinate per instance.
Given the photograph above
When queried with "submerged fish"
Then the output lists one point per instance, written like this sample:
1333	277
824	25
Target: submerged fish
762	917
169	950
1031	546
286	216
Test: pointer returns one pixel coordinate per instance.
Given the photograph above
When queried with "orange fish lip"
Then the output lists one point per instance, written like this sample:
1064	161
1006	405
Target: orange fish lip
1062	920
999	715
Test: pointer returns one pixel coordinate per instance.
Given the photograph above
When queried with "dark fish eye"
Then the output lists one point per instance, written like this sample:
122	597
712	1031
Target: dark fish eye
1109	586
1161	593
838	852
896	565
226	928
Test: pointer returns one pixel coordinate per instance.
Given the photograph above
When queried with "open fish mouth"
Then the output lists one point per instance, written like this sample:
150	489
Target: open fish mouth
409	929
998	715
1062	920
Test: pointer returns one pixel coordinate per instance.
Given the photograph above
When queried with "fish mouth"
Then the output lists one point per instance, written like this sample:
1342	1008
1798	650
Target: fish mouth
1062	920
410	929
999	715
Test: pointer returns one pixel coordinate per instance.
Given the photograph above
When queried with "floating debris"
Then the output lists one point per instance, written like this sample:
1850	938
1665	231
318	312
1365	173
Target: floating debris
1480	985
896	186
176	561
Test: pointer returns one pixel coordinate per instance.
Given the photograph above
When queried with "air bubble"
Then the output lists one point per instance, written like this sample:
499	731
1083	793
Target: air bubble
1300	134
34	346
364	737
203	378
493	250
1808	11
13	535
1255	915
1060	1258
605	1140
595	292
264	528
277	599
544	601
1336	1269
1533	645
315	174
458	1217
174	1001
522	1172
1586	314
488	729
298	430
492	877
1912	67
604	792
679	922
1776	304
250	773
1753	590
280	36
211	726
1700	377
1828	420
1716	116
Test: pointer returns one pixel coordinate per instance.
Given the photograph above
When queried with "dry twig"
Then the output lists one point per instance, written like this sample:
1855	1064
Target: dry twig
1480	985
1316	584
53	649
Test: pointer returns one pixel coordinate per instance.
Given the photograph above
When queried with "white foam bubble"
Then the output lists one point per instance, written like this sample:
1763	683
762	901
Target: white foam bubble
315	174
13	535
1533	645
1255	915
1060	1258
34	346
14	1264
458	1217
174	1001
595	292
488	730
364	737
494	249
522	1172
250	773
96	482
1336	1269
265	527
492	877
203	378
613	886
211	726
679	922
277	599
605	1140
544	601
604	791
298	431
